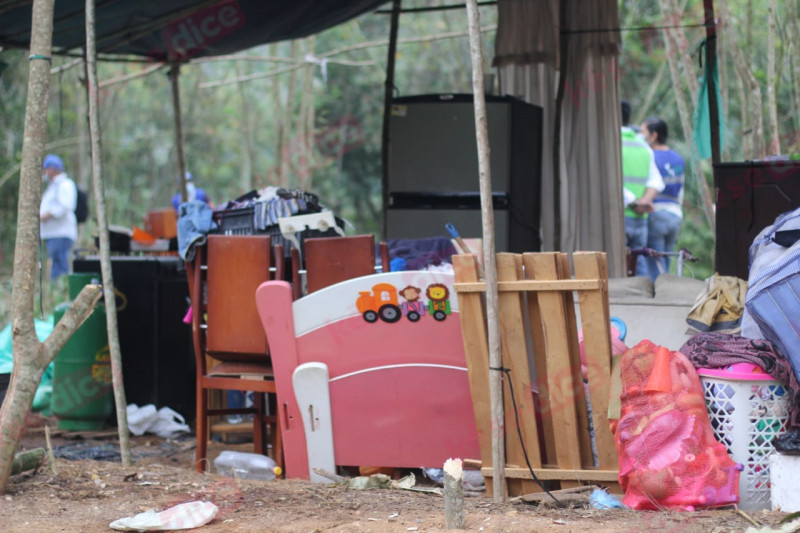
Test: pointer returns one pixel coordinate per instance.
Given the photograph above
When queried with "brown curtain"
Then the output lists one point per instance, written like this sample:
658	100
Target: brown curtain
527	57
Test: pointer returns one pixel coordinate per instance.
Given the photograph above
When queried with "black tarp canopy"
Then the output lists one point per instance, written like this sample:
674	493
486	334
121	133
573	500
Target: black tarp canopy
165	30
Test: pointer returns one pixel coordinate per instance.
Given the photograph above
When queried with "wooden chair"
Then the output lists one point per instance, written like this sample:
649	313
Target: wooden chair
335	259
231	348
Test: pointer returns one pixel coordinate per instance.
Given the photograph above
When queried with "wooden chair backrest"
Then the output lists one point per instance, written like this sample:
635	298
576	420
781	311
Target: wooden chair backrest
236	266
334	259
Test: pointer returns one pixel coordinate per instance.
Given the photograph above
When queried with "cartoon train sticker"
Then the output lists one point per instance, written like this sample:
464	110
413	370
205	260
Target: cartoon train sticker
383	302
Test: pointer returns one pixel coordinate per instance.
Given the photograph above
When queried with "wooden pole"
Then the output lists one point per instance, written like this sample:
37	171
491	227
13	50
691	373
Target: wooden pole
711	62
563	40
388	92
490	265
105	240
174	75
454	515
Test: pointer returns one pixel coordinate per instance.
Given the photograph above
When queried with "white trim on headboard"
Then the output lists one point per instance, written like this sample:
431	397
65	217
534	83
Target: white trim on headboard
389	367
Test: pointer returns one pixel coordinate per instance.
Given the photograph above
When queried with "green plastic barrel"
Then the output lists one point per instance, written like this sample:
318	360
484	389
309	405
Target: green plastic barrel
82	394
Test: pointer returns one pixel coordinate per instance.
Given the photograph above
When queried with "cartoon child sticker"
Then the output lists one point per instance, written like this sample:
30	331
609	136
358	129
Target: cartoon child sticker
413	308
438	302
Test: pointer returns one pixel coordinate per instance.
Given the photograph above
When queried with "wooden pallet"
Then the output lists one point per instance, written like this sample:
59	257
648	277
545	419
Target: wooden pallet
538	327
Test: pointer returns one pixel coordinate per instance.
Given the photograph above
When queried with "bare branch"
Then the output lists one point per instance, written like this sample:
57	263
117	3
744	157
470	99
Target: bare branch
361	46
133	76
773	146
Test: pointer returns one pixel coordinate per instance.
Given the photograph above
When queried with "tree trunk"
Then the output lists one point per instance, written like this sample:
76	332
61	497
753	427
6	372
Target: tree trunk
248	154
105	240
27	350
752	92
773	145
655	85
681	47
454	515
686	119
289	129
305	122
794	63
723	84
490	264
744	112
278	119
30	356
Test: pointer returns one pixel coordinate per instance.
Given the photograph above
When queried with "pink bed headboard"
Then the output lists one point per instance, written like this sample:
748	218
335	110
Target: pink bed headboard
398	383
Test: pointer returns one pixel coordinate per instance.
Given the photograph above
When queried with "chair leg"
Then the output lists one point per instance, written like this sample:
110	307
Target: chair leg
259	442
277	440
202	430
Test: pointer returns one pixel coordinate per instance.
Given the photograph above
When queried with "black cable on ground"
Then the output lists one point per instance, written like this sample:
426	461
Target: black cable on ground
507	371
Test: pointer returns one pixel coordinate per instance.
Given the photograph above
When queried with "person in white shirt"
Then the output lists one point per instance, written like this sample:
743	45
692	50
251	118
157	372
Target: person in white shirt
58	225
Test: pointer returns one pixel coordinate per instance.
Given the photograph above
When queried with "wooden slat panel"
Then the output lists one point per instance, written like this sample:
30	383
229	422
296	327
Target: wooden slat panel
515	358
476	350
532	285
540	364
597	344
587	459
557	474
561	388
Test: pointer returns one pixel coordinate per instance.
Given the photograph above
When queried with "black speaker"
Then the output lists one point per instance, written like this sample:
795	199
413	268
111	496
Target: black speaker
157	355
433	169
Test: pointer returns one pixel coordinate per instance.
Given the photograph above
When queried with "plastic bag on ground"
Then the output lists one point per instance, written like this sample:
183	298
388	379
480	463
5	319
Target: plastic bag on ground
164	422
668	455
184	516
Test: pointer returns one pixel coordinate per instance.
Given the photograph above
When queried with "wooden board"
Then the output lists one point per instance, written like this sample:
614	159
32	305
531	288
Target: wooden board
515	358
561	387
476	352
597	344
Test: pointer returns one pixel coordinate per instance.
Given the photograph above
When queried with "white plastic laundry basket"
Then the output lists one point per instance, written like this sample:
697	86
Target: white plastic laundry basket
747	410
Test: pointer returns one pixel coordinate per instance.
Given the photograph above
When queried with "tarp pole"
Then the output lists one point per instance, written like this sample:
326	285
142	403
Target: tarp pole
388	93
490	265
105	240
711	62
174	75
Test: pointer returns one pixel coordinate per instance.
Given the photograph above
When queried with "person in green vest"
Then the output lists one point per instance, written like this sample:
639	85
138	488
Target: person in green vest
641	182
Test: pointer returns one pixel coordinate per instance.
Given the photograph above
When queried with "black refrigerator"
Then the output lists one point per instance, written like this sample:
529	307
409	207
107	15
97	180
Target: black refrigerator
433	169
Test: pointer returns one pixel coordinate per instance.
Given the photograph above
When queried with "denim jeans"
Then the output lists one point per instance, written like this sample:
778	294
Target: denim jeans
636	237
58	251
662	235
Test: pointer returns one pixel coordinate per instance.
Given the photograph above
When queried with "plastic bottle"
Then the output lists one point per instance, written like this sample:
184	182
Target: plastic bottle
244	465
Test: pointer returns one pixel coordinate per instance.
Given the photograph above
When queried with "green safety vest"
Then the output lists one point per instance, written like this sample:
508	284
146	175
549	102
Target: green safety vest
635	166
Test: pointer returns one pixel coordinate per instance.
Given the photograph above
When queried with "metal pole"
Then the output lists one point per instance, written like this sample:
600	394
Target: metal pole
711	63
490	265
387	110
174	75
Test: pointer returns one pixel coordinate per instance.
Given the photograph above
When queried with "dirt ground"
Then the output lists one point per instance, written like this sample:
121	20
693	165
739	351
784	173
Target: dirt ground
87	495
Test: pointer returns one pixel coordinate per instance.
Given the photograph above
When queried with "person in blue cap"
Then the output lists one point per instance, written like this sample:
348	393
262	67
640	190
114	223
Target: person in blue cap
192	193
58	225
